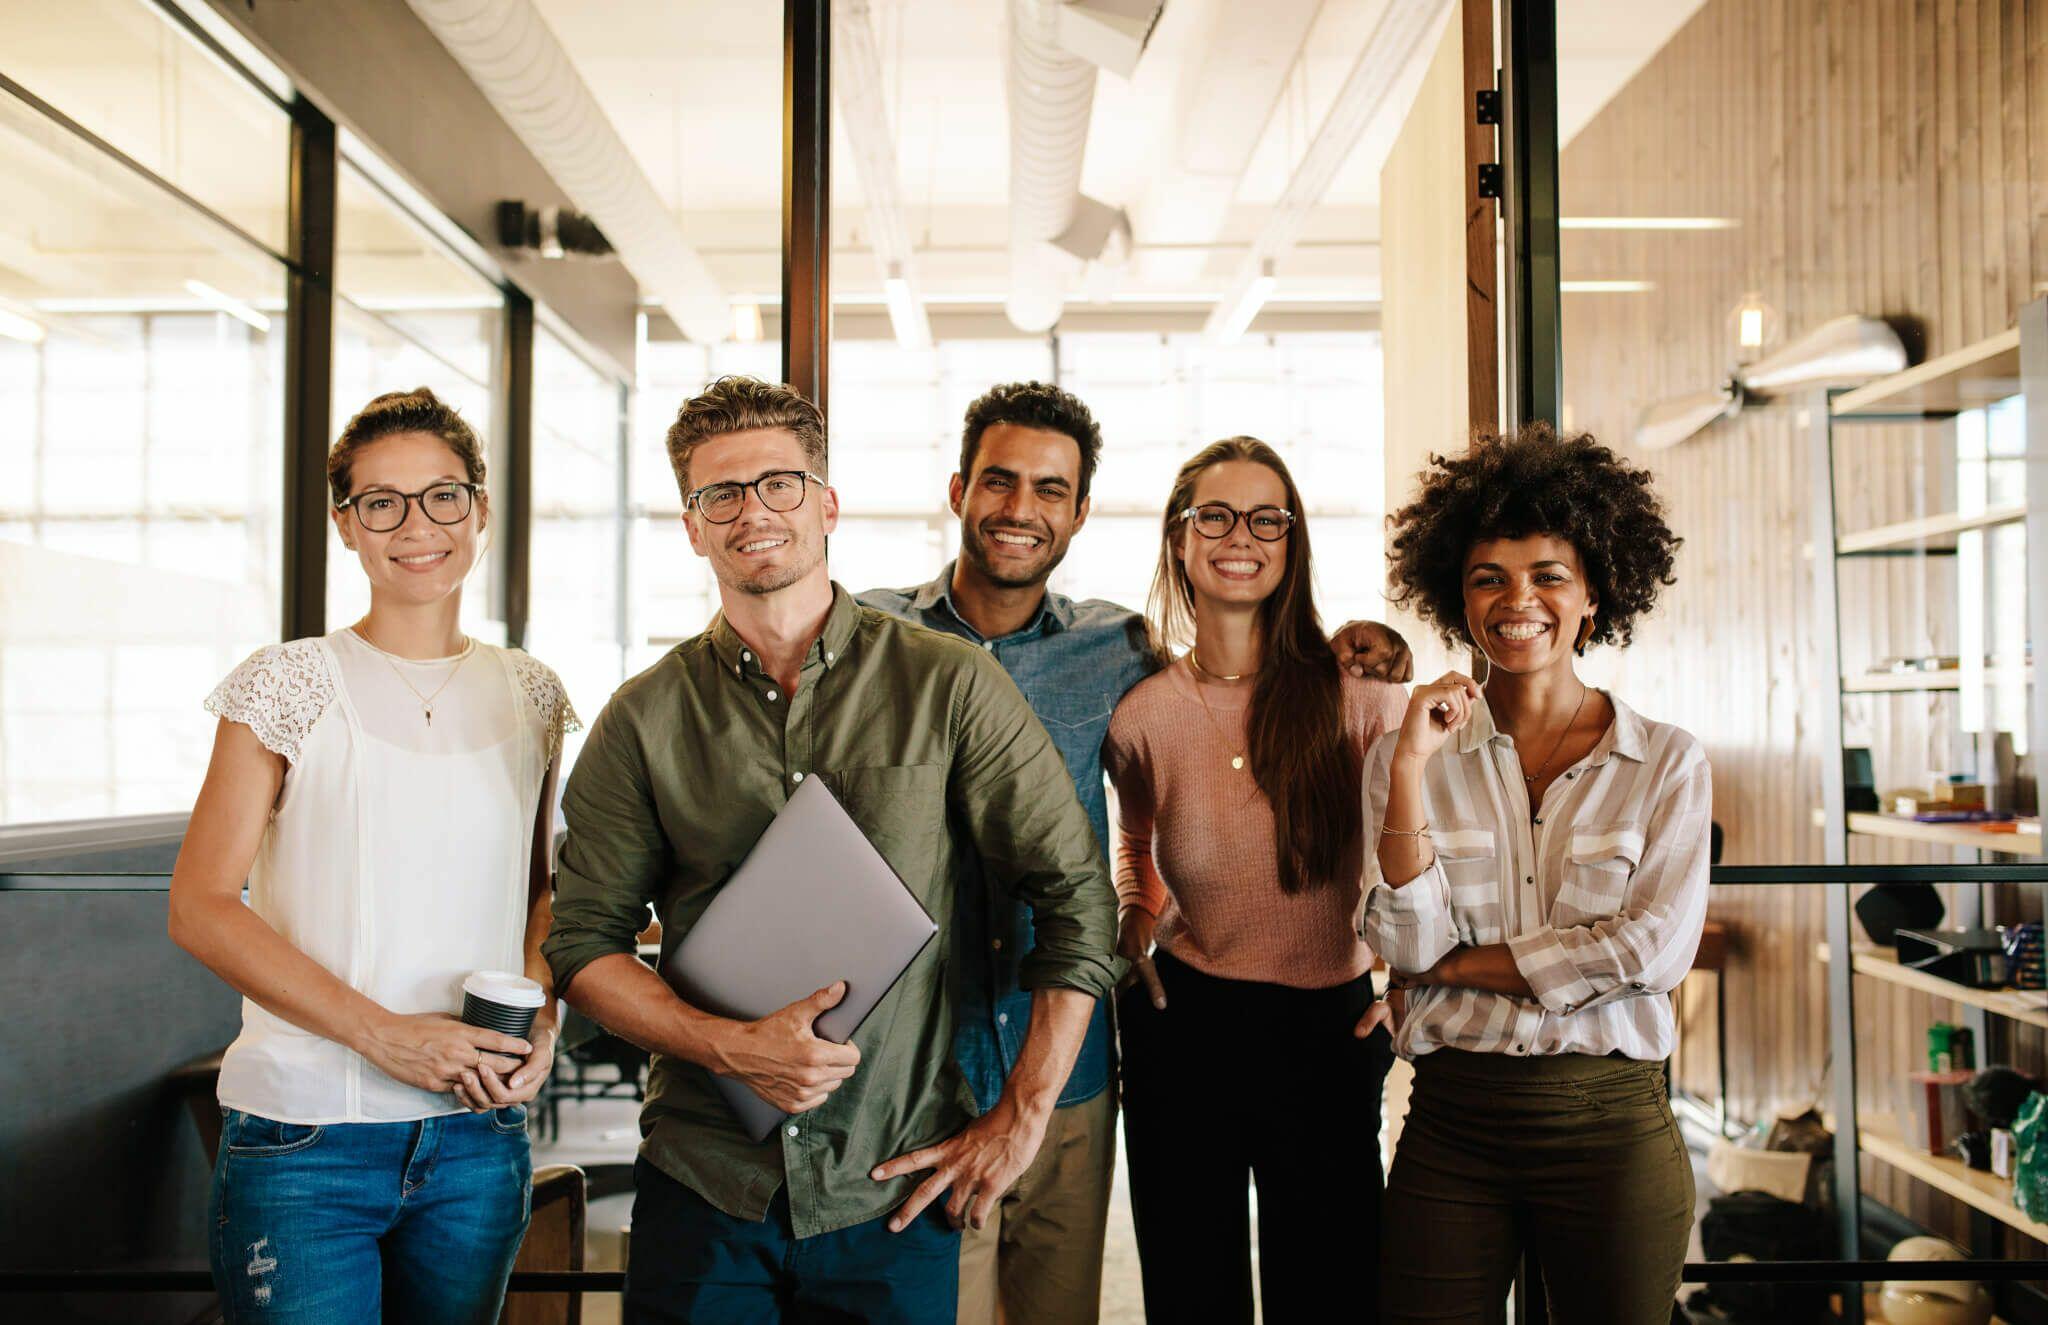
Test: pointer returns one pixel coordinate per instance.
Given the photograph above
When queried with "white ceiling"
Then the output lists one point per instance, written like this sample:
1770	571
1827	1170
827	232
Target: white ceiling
694	88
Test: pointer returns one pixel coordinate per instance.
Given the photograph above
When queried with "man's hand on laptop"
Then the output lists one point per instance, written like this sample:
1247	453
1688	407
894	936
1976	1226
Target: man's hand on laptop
977	1166
779	1058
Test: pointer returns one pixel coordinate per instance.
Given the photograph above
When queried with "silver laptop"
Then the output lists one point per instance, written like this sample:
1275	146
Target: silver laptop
812	903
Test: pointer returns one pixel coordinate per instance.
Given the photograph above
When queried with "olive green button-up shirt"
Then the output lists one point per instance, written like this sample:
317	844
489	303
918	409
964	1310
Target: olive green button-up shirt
931	748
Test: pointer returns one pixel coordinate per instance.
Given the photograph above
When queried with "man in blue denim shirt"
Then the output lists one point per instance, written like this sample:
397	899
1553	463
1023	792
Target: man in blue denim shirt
1028	453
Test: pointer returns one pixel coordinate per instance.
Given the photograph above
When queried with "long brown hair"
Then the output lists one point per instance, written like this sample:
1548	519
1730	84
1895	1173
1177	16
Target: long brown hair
1295	735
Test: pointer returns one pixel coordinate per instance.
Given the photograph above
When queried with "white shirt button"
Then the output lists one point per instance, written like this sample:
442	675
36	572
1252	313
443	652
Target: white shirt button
1002	1018
792	1129
745	656
990	645
796	777
772	697
829	655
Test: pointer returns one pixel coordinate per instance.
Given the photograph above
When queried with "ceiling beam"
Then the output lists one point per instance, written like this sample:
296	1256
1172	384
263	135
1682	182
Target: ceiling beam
1387	53
857	84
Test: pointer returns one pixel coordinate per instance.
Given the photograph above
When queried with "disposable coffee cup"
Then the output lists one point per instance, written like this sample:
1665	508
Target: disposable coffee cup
501	1001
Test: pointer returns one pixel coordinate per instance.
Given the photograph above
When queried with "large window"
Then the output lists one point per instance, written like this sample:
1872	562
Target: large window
577	562
140	413
409	312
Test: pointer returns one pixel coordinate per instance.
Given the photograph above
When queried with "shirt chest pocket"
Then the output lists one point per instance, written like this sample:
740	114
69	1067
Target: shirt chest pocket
1471	862
1597	870
902	810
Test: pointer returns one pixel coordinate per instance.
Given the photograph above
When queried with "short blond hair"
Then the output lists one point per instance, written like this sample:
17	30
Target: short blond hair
742	404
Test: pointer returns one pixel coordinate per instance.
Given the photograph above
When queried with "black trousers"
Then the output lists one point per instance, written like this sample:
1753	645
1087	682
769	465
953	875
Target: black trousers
1238	1082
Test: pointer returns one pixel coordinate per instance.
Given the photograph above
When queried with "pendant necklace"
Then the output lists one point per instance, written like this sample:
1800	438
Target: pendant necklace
1531	778
1237	756
426	701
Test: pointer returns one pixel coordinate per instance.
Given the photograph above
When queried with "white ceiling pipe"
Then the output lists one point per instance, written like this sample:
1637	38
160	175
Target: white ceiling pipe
509	51
1051	95
1393	44
857	83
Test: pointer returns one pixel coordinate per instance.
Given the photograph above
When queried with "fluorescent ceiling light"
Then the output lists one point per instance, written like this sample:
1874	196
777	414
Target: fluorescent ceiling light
227	303
16	327
1248	304
1605	287
1647	223
902	312
746	322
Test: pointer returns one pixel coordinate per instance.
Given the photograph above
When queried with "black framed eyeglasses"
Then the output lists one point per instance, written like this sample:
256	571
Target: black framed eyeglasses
381	510
779	490
1215	519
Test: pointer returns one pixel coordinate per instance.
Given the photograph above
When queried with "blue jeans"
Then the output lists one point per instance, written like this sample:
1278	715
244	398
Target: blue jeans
357	1223
693	1262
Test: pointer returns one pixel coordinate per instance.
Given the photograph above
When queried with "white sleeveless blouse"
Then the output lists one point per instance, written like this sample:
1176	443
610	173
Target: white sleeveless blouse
399	853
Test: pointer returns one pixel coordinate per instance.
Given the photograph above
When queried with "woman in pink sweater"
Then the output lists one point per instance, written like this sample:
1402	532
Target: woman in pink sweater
1237	772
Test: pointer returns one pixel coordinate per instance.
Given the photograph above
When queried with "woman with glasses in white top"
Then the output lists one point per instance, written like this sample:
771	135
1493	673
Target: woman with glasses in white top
1537	884
386	791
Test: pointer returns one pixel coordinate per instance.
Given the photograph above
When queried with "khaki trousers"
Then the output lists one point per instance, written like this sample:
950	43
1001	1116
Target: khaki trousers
1038	1261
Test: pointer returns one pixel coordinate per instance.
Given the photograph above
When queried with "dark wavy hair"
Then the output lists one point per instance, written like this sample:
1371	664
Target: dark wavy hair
1295	738
1520	484
1033	405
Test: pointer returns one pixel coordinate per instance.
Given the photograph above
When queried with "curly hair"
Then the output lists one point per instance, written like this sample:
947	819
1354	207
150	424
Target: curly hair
1523	483
1033	405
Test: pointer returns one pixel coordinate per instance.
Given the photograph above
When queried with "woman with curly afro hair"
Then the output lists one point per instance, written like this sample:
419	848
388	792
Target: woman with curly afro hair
1537	884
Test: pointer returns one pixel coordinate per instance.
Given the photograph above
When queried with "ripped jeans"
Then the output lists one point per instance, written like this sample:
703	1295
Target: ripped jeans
357	1223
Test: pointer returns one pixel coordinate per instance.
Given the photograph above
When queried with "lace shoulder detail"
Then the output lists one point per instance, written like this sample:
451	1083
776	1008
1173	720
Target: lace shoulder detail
279	693
543	689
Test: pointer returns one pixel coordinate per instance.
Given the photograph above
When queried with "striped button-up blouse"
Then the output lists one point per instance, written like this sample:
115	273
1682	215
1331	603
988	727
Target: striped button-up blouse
1600	895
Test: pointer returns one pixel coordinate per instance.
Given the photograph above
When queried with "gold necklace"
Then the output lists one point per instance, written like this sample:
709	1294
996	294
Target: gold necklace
1196	663
1237	756
426	701
1531	778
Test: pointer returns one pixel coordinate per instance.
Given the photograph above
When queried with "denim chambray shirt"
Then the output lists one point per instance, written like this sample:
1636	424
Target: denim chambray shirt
1073	662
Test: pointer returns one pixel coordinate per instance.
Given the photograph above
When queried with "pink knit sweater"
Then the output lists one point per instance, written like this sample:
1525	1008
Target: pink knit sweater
1195	836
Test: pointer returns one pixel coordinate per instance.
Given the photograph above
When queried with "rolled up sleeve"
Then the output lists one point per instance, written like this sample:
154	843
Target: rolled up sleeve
1409	925
613	859
1012	791
1649	945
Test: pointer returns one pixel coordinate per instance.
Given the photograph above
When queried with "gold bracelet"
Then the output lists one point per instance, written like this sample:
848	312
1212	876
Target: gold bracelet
1395	832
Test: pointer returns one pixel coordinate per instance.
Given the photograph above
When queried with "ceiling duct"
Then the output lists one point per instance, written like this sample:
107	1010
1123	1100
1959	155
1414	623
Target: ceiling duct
857	83
510	53
1051	95
1110	34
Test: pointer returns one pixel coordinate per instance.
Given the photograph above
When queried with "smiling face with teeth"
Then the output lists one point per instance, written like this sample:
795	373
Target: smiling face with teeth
1017	509
420	561
762	551
1237	568
1527	603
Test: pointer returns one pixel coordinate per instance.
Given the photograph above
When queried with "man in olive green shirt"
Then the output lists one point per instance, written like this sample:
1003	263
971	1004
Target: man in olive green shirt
935	753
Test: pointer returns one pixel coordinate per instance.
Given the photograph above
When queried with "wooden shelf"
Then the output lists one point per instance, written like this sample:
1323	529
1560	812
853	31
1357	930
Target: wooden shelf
2027	1006
1880	683
1912	533
1988	1192
2020	843
1973	376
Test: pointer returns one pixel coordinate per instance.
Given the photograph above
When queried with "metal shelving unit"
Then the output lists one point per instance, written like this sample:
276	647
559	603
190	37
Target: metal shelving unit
2012	363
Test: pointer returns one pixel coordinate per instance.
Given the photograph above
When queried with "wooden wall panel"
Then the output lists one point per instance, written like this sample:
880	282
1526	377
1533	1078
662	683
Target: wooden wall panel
1438	318
1883	157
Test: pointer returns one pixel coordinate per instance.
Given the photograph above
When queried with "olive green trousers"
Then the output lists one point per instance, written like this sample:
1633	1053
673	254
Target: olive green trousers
1574	1158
